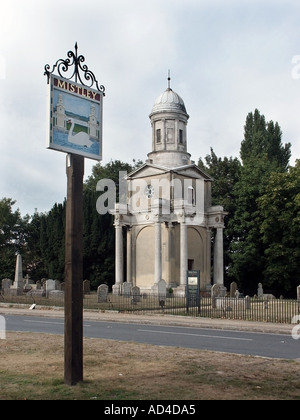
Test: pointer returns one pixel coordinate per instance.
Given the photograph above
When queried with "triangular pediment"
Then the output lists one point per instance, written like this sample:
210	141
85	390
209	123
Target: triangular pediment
192	171
149	169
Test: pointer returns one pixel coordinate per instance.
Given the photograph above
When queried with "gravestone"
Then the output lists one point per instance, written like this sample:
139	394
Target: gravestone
50	285
6	284
38	285
56	295
29	284
247	302
86	287
160	289
116	289
102	293
37	293
233	289
136	294
260	291
126	289
229	304
215	293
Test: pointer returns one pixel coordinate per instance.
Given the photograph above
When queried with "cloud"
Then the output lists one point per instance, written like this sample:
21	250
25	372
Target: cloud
226	59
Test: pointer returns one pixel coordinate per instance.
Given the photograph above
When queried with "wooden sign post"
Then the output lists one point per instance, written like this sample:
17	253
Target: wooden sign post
74	271
75	127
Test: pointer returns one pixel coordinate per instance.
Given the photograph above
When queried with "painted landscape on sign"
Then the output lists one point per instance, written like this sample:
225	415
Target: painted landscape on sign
75	124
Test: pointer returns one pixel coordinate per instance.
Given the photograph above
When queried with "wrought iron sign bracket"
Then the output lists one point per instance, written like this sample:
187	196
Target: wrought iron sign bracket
80	72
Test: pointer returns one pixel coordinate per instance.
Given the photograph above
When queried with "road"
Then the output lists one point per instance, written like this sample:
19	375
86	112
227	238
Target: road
280	346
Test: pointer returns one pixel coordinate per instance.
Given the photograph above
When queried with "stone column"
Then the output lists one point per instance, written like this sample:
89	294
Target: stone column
129	254
219	258
208	267
119	254
158	249
183	253
170	256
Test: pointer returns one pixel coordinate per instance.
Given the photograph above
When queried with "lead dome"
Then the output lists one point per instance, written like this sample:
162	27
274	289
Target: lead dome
168	101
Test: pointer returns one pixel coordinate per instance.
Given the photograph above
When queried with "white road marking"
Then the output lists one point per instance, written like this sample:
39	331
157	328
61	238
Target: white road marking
198	335
48	322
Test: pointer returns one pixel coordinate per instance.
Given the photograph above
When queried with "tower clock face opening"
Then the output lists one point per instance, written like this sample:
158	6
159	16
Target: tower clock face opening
149	191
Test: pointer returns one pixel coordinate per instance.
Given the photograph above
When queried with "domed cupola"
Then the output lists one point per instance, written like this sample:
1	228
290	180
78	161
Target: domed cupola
169	101
169	135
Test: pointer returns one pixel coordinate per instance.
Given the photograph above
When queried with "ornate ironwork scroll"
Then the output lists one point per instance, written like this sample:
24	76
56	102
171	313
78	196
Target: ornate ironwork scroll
80	72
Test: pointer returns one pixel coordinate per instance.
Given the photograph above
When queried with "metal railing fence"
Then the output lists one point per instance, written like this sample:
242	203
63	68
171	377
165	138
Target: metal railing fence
252	309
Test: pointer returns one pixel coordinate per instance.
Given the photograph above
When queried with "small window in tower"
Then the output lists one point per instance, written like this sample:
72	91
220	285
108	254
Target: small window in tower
158	135
191	196
180	136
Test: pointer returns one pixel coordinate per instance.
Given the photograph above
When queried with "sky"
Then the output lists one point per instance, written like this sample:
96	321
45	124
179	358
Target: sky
226	58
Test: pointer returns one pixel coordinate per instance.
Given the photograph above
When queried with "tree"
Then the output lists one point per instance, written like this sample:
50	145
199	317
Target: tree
13	236
264	140
262	154
280	229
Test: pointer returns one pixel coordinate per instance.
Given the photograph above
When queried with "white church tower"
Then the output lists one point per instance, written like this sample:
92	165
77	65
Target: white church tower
169	131
170	223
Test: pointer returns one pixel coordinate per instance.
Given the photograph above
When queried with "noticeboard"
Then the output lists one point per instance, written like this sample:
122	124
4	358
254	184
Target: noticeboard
75	118
193	289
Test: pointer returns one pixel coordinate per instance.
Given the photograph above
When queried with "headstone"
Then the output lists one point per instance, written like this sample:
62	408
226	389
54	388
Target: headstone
86	287
237	294
56	295
260	291
6	284
215	293
29	284
136	294
28	281
229	304
160	289
233	289
116	289
102	293
247	302
50	285
126	289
